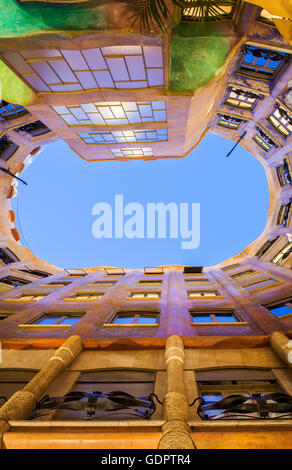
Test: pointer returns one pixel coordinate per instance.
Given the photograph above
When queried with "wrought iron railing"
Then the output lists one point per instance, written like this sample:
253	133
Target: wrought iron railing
255	406
98	405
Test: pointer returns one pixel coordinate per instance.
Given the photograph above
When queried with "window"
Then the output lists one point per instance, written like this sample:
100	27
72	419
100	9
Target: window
7	148
214	317
280	309
34	128
264	141
267	18
85	296
231	266
132	152
281	257
222	10
205	294
114	271
57	284
10	111
3	316
28	297
265	283
113	113
135	318
103	283
242	274
35	272
261	63
197	279
150	282
284	215
245	388
112	67
284	172
193	269
266	247
241	98
152	271
281	120
14	281
7	257
13	380
144	295
230	122
58	318
76	272
116	137
139	384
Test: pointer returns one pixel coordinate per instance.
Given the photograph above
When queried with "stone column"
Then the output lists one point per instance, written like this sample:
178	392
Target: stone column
175	432
282	346
22	403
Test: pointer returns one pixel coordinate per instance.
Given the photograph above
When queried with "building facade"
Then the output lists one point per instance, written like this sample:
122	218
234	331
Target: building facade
181	341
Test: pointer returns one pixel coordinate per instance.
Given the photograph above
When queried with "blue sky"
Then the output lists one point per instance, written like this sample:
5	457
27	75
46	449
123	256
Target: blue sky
55	209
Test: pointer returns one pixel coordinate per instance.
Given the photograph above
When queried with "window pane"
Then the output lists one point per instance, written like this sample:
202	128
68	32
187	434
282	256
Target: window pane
283	310
202	319
147	320
70	321
48	320
123	319
225	318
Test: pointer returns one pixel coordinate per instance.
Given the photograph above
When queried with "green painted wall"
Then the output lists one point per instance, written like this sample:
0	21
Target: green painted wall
13	89
197	53
17	20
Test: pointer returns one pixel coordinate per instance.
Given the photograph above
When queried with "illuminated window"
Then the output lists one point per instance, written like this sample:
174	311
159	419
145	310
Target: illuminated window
281	257
7	148
266	247
28	297
116	137
284	215
261	63
203	294
221	10
34	128
241	98
281	308
138	152
284	172
281	120
264	141
214	317
112	67
230	122
113	113
85	296
10	111
144	295
136	318
58	318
